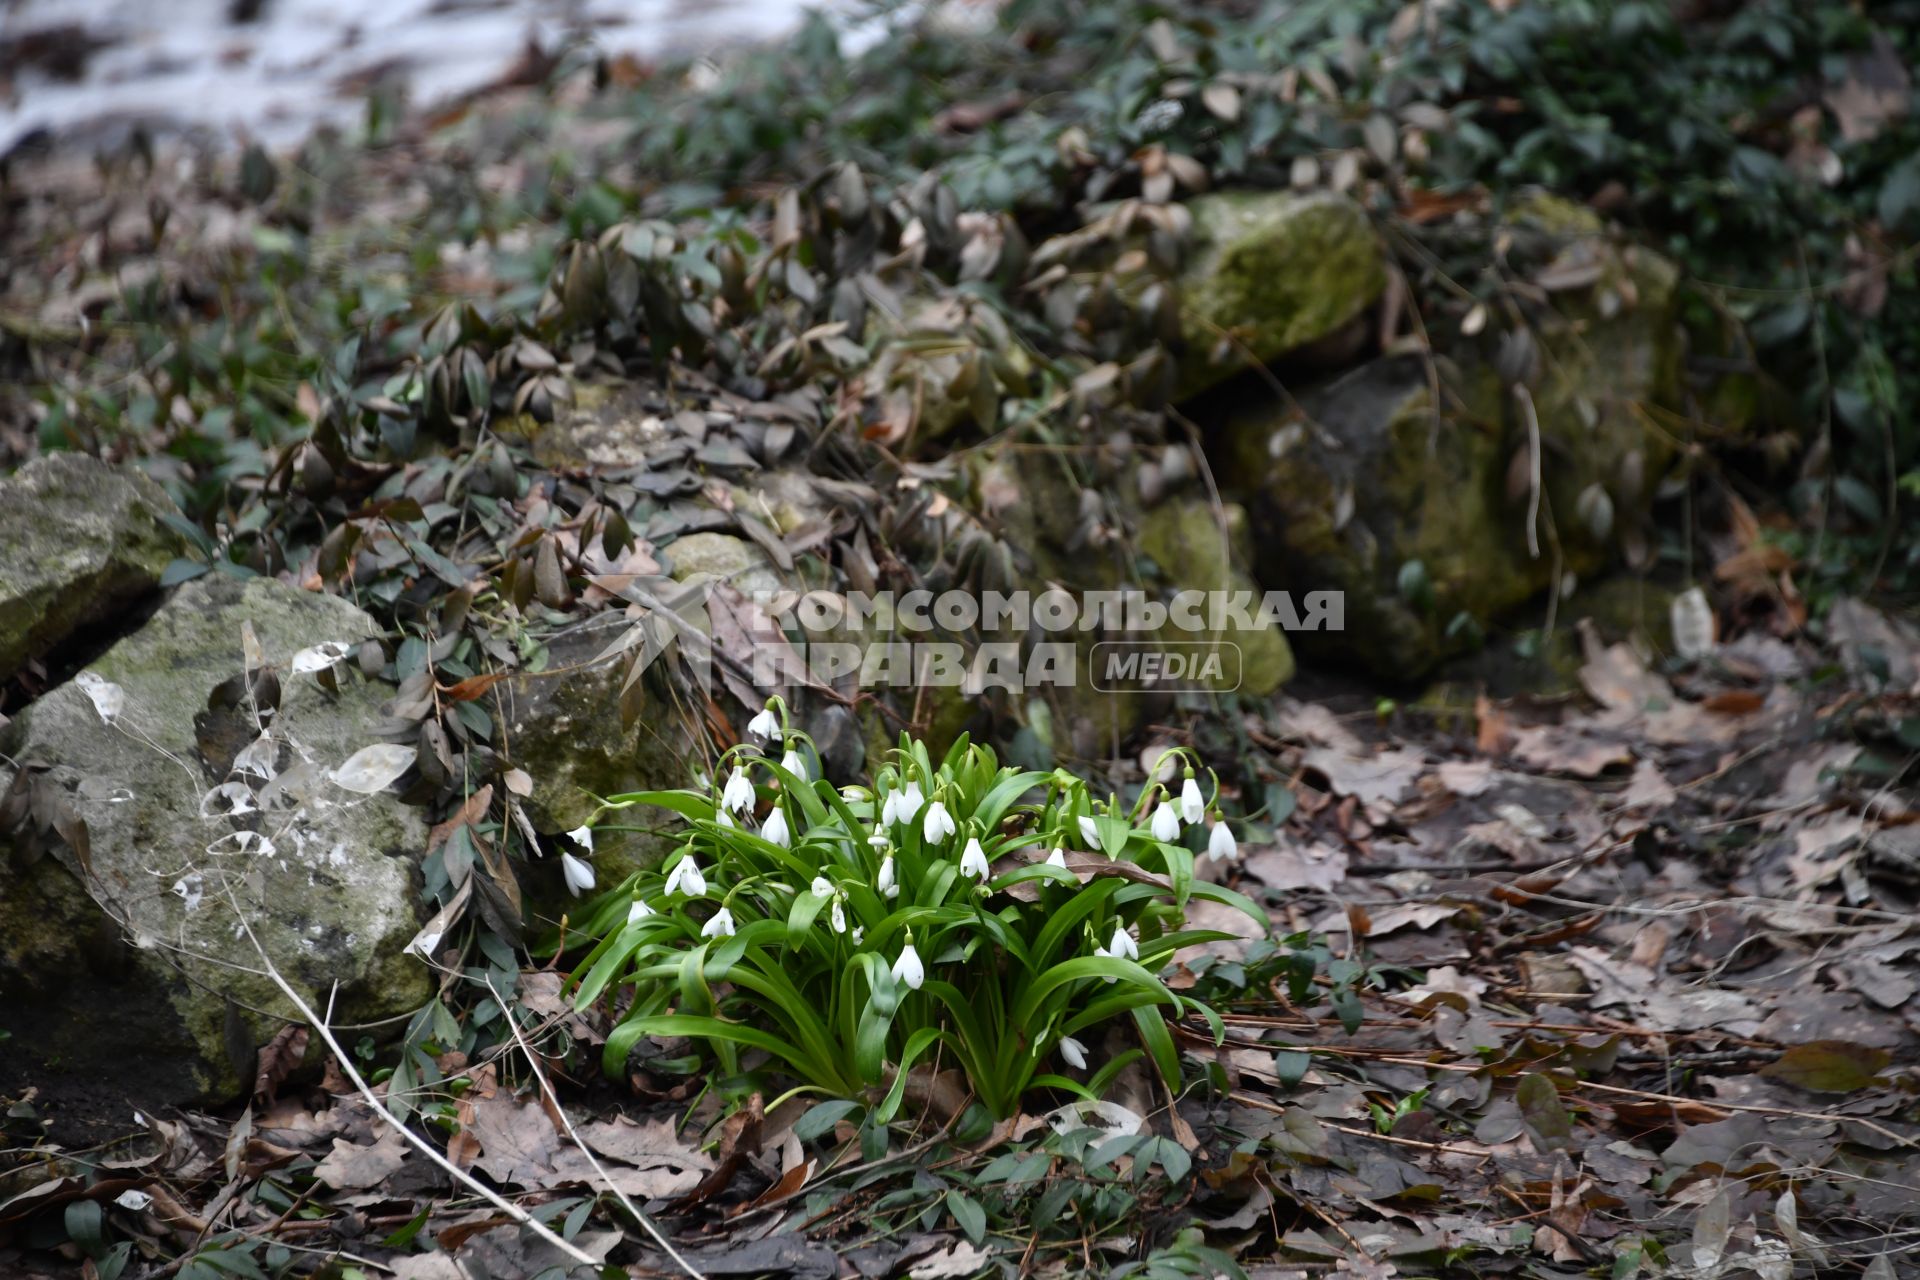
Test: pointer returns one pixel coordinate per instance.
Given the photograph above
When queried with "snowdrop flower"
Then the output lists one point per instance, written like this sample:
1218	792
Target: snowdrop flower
822	887
908	968
938	825
910	801
885	882
1123	947
774	830
1220	842
974	861
724	818
1073	1052
838	915
1192	807
686	878
1058	858
794	765
765	725
1089	833
738	795
1166	823
579	874
582	836
638	911
859	933
890	809
721	926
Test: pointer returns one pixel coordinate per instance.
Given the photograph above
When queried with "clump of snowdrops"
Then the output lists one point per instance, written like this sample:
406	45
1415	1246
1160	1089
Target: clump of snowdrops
961	914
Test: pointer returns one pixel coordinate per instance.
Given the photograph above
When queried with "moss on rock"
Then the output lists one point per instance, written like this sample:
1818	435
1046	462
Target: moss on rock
79	539
1275	271
332	901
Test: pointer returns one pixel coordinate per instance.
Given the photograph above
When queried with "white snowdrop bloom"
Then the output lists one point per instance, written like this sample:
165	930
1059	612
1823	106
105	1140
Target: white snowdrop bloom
838	915
724	818
579	874
764	725
794	765
885	882
908	968
910	801
974	861
1073	1052
1090	833
1166	823
582	836
738	795
890	809
721	926
1123	946
1220	842
859	934
638	911
774	830
686	878
1192	806
938	825
822	887
1058	858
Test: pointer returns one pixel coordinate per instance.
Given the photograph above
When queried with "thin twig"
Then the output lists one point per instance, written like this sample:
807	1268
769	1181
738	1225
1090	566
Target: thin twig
420	1144
533	1061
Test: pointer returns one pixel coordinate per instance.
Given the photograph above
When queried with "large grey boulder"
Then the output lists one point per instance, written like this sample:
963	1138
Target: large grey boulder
158	810
79	539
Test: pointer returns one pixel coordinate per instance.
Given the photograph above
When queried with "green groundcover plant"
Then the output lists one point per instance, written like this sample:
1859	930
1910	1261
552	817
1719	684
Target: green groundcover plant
964	914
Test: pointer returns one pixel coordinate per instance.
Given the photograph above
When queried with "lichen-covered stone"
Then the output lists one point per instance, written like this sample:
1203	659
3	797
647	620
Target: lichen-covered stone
579	737
1375	478
1185	540
1274	271
79	539
130	951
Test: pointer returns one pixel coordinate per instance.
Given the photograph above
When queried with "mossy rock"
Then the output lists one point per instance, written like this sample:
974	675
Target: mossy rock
580	735
129	950
1378	475
79	541
1185	539
1277	271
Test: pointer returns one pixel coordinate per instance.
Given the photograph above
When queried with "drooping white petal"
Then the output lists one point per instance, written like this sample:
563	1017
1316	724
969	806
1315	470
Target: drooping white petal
821	886
764	725
910	802
838	915
1192	806
859	934
1073	1053
890	809
974	861
578	872
938	825
1220	842
774	830
1058	858
638	911
908	968
582	836
795	765
686	878
724	818
738	795
1123	946
1089	833
1166	823
885	882
721	926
